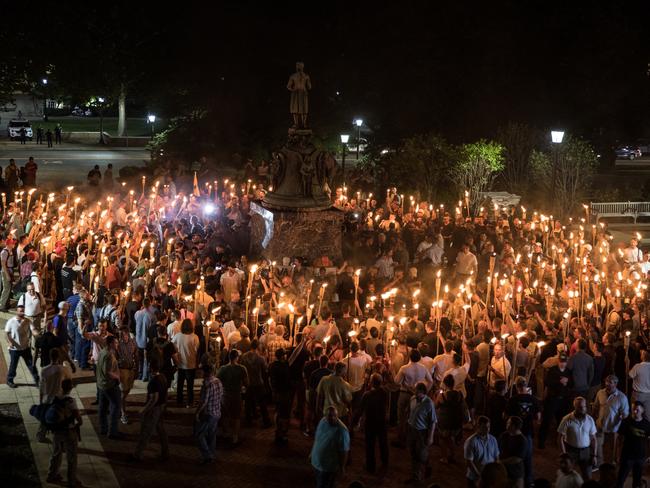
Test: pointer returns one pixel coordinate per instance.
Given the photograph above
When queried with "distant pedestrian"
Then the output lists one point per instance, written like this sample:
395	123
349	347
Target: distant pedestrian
29	178
58	131
94	176
39	135
48	136
11	177
108	178
23	135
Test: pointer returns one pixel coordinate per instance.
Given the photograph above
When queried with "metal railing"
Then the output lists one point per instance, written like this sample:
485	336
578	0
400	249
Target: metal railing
620	209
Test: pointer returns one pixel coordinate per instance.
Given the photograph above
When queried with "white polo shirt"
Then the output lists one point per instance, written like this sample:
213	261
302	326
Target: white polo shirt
577	432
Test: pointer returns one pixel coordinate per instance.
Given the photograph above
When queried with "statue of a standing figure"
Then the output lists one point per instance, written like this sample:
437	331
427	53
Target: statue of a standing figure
299	84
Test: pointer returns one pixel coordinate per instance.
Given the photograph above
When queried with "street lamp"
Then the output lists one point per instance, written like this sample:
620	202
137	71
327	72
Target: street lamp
152	121
358	123
556	138
344	140
100	102
44	81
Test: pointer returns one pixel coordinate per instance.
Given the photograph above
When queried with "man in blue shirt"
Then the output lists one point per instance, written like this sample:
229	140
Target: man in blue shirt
144	326
480	449
329	454
421	428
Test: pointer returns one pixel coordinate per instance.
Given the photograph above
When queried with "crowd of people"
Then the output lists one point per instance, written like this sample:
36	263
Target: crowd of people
471	335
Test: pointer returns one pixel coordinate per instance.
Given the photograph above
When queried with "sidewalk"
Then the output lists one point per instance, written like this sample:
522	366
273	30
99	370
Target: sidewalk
67	146
93	467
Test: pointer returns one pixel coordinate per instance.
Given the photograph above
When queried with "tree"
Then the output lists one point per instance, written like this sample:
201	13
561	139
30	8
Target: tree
565	171
421	164
519	141
478	165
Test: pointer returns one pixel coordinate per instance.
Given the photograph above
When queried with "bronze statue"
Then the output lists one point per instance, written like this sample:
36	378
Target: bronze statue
299	84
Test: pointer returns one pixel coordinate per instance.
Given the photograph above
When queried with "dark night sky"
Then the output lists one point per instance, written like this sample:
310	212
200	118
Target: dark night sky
462	68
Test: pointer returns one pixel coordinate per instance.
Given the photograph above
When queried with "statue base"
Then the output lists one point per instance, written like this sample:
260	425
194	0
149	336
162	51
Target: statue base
276	234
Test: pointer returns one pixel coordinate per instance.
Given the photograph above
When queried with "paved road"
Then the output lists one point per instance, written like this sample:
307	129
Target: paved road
70	163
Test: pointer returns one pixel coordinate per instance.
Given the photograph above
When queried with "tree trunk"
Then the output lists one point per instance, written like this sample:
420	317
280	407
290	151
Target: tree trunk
121	120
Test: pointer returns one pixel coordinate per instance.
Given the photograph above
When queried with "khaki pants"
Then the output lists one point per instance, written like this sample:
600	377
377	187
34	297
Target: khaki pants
64	441
605	445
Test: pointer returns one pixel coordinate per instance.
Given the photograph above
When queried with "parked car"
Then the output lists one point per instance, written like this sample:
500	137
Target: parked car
627	151
16	125
352	145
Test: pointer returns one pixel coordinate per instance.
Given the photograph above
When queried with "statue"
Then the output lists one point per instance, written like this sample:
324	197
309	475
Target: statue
299	84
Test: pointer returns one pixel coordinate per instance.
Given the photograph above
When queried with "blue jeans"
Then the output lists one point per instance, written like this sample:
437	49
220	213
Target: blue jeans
82	349
206	436
325	479
14	356
110	400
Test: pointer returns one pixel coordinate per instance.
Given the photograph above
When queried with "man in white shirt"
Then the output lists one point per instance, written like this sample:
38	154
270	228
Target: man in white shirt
609	408
34	305
632	253
640	374
466	264
357	364
17	330
407	377
577	433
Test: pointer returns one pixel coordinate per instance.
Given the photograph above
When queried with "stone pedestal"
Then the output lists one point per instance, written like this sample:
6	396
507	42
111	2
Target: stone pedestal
276	234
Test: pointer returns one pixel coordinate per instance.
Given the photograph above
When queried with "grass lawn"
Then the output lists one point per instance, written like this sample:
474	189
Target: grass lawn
134	126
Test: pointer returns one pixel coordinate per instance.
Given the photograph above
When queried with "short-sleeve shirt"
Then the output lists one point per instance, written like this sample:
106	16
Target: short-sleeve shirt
422	414
329	442
578	432
336	393
19	331
158	384
526	407
187	346
635	435
482	451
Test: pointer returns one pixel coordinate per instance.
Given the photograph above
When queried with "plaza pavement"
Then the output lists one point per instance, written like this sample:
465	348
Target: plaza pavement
257	462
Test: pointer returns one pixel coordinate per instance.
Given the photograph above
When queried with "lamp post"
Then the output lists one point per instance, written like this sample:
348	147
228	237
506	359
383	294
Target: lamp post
358	123
556	138
100	102
152	121
344	140
44	81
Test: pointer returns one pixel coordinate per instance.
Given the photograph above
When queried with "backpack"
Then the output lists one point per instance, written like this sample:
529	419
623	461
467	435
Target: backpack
52	414
110	317
20	288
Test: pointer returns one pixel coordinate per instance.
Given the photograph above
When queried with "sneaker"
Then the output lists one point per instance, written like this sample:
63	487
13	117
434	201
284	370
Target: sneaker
124	419
11	384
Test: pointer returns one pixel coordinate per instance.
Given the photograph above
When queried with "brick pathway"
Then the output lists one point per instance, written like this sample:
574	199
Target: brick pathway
257	462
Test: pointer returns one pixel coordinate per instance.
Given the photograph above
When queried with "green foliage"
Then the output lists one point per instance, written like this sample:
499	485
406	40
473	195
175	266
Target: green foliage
564	173
478	165
421	165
